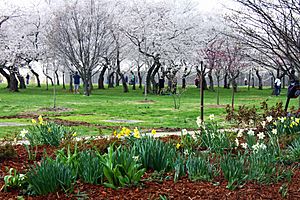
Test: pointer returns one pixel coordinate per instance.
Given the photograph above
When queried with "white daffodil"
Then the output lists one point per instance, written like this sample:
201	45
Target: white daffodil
261	135
23	133
244	145
237	142
135	158
251	132
262	146
184	132
199	121
255	147
269	119
274	131
240	133
263	123
211	117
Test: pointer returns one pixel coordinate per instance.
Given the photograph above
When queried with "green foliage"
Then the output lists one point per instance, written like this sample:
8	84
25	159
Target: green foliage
233	170
154	154
31	151
293	151
69	158
14	179
121	168
179	167
48	133
90	169
50	176
244	115
212	138
200	168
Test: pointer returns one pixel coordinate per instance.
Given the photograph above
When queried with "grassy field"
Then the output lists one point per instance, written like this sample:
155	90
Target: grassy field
113	104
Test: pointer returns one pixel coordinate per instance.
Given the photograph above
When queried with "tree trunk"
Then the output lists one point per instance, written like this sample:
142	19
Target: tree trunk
234	85
21	81
63	79
183	82
101	77
148	77
140	79
57	77
6	75
71	83
226	81
260	85
111	80
155	71
283	81
13	82
218	90
86	82
232	96
252	80
36	76
117	80
211	81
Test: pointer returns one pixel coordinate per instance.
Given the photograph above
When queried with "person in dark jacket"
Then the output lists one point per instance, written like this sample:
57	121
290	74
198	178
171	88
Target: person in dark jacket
76	78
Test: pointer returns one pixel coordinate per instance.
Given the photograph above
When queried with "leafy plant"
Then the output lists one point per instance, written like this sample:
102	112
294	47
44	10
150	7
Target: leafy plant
154	154
121	168
31	151
179	167
50	176
293	151
48	133
200	168
14	179
233	168
90	169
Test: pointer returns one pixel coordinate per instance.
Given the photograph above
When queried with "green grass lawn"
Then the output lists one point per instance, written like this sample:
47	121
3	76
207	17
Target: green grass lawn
111	104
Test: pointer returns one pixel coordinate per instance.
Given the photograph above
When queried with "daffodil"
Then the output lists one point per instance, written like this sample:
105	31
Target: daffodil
178	146
127	132
74	134
136	135
211	117
115	133
199	122
269	119
135	158
237	142
261	135
153	131
119	136
274	131
274	123
240	133
251	132
49	130
244	145
23	133
33	121
40	118
297	120
136	130
263	123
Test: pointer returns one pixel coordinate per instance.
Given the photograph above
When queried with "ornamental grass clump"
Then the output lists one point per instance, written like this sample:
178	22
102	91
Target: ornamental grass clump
42	132
50	176
90	168
154	154
200	168
233	168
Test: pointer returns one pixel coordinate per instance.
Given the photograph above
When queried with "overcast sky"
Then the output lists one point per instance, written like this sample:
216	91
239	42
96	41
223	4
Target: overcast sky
204	5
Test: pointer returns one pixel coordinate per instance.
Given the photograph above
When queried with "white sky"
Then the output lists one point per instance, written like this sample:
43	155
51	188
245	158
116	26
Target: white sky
204	5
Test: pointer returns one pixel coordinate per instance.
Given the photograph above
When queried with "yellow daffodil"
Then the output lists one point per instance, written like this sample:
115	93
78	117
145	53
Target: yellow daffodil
33	121
119	136
274	123
40	118
136	130
153	131
178	146
136	135
74	134
127	132
49	130
297	120
115	133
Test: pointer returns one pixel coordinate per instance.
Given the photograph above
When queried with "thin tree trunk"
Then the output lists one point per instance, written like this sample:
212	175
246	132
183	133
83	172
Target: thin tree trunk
117	80
36	76
6	75
71	83
140	79
211	81
101	77
111	80
63	79
21	81
226	80
218	90
260	86
57	77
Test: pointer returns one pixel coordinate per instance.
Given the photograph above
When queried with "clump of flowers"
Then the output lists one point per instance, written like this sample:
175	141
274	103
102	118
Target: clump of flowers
126	132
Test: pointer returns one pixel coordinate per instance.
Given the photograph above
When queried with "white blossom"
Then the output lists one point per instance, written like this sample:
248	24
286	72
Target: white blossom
240	133
269	119
199	121
237	142
23	133
244	145
251	132
274	131
261	135
211	117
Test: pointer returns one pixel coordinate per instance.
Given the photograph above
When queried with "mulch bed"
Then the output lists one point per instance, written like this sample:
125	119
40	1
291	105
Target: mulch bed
183	189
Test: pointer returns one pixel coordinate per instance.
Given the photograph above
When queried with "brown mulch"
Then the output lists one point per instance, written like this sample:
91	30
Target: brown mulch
183	189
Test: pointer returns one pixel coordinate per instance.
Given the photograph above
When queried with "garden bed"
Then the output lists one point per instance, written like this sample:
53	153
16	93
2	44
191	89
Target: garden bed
158	188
